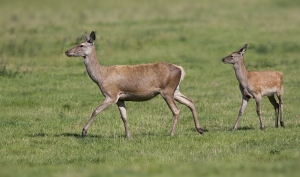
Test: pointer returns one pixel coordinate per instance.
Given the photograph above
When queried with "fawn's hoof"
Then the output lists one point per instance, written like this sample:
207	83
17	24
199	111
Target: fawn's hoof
200	130
282	124
262	128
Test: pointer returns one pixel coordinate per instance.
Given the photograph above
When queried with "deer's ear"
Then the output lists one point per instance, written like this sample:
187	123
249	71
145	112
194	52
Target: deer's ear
243	50
92	37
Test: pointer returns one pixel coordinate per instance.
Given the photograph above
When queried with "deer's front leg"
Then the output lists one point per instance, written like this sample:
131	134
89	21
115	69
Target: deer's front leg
257	100
106	103
241	111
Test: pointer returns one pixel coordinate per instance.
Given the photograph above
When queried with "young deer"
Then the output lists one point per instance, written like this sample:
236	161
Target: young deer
133	83
255	84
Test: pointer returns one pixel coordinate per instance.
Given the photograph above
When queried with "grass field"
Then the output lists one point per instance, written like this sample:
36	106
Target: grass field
46	98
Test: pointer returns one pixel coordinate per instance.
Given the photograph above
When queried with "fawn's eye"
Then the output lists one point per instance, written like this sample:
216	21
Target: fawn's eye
81	45
231	56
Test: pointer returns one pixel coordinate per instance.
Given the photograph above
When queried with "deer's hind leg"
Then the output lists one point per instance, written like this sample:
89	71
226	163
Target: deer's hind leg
122	109
169	98
276	108
281	110
190	104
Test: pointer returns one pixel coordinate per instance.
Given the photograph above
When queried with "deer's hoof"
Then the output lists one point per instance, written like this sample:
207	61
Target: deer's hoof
281	124
84	133
201	131
262	128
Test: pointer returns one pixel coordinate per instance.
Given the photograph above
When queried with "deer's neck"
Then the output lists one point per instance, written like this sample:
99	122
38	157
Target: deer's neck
93	67
241	73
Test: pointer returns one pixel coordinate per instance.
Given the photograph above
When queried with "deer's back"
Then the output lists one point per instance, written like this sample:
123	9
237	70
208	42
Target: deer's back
265	82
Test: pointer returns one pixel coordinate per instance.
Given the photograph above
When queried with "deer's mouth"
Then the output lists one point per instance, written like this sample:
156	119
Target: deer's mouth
70	54
224	61
67	53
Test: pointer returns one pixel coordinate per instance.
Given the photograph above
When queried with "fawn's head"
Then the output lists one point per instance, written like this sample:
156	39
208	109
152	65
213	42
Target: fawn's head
235	57
83	49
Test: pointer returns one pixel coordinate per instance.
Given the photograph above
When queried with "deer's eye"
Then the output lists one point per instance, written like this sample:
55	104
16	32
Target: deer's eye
81	45
231	56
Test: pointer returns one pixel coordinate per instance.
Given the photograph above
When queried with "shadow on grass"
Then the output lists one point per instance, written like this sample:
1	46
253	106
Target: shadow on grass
229	129
38	135
76	135
142	134
149	134
246	128
205	130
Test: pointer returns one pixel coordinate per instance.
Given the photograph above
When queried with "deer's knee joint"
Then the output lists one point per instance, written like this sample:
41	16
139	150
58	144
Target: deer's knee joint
281	103
176	112
241	112
258	112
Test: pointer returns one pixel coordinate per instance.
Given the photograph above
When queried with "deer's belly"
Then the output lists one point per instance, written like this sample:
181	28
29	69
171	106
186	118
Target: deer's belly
137	96
269	91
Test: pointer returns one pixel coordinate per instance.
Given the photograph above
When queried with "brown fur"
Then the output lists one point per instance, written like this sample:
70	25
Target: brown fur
133	83
256	84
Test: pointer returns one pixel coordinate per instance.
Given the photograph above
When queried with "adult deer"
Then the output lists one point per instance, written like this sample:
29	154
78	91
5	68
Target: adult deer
133	83
255	84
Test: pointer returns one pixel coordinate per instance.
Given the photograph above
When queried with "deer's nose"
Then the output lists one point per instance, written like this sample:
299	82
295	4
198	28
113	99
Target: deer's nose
67	53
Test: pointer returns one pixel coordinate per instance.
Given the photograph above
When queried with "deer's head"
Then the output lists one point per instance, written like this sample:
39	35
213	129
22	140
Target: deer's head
84	49
235	57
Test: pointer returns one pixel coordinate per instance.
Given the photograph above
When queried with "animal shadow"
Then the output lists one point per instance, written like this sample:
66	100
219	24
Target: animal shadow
76	135
246	128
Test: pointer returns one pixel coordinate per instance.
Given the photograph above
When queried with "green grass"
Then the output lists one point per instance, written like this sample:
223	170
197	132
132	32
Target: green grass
46	98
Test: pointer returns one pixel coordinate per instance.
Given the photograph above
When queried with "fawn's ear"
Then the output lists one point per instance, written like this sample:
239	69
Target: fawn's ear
92	37
243	50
